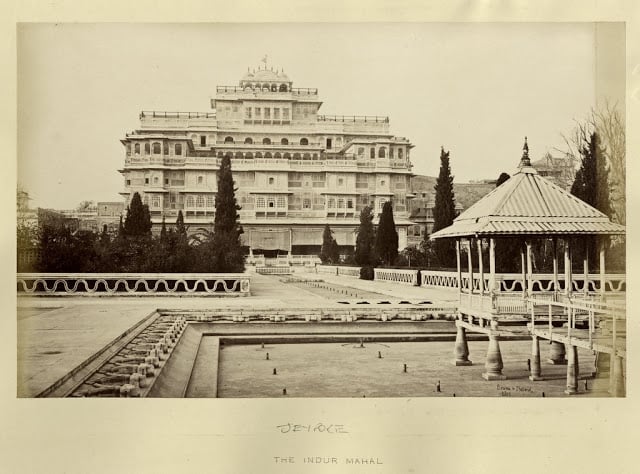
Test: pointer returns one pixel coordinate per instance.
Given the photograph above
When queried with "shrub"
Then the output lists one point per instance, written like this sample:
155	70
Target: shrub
367	273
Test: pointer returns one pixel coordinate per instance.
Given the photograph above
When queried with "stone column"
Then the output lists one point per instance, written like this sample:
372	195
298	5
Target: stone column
603	365
492	265
461	348
617	377
555	269
493	363
557	354
573	371
459	264
470	264
536	373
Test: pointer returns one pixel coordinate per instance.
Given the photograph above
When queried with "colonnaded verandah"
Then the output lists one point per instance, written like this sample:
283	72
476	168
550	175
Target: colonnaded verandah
295	170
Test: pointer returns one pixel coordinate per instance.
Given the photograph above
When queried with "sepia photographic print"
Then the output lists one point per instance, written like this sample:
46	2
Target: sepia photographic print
364	241
422	218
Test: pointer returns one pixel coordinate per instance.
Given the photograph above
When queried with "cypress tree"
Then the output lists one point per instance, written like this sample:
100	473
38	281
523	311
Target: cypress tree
364	254
226	250
444	211
591	185
138	220
329	252
387	237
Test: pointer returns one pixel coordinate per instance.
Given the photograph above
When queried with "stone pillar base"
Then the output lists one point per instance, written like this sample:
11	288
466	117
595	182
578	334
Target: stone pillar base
459	363
535	378
488	376
557	362
570	392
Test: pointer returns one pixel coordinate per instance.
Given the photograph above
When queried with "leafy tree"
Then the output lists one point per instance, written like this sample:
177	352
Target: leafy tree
502	178
387	237
444	212
226	249
329	252
365	239
138	220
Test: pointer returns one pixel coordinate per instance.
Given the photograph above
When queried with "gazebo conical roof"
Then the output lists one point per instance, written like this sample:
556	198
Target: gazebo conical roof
528	204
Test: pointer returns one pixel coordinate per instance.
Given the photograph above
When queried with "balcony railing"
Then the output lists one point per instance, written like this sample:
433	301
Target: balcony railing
353	118
162	114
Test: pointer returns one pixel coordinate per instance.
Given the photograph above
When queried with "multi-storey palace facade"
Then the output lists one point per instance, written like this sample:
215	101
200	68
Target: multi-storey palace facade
295	170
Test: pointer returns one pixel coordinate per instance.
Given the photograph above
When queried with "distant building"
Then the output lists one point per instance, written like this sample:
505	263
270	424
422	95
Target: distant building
108	213
421	208
560	171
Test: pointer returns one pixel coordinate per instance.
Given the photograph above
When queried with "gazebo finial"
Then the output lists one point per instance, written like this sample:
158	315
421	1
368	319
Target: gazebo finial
525	161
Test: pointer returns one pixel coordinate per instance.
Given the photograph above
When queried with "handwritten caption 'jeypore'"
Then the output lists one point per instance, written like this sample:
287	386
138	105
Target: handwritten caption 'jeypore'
312	428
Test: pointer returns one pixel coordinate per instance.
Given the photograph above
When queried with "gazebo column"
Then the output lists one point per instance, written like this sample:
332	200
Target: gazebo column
493	363
461	348
585	271
536	372
492	265
555	269
568	277
523	269
480	266
529	270
470	263
459	265
602	270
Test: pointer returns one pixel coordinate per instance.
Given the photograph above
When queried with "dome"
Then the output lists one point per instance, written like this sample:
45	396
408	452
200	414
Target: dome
283	77
248	76
266	75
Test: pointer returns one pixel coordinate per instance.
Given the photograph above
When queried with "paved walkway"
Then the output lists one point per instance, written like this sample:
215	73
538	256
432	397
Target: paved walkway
56	334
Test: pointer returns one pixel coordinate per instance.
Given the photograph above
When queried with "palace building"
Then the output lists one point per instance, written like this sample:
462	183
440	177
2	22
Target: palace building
295	170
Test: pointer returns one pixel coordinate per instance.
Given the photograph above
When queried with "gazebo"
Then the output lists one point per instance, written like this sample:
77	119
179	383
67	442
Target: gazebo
529	208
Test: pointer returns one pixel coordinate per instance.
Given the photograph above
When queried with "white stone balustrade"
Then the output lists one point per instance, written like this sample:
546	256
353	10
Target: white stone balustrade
406	277
330	269
349	271
274	270
138	284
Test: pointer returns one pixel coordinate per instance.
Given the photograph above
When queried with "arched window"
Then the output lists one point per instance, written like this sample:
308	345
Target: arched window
283	88
306	156
228	140
284	141
238	155
268	155
178	149
382	152
155	180
258	154
361	151
315	156
277	155
266	141
247	87
304	141
147	148
248	140
229	155
296	156
274	87
248	155
372	153
399	153
136	148
287	156
156	149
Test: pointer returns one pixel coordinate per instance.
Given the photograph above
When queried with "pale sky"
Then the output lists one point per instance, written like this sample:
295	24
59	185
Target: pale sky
476	89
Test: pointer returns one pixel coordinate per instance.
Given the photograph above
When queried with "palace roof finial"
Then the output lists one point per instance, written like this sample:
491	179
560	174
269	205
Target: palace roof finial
525	161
